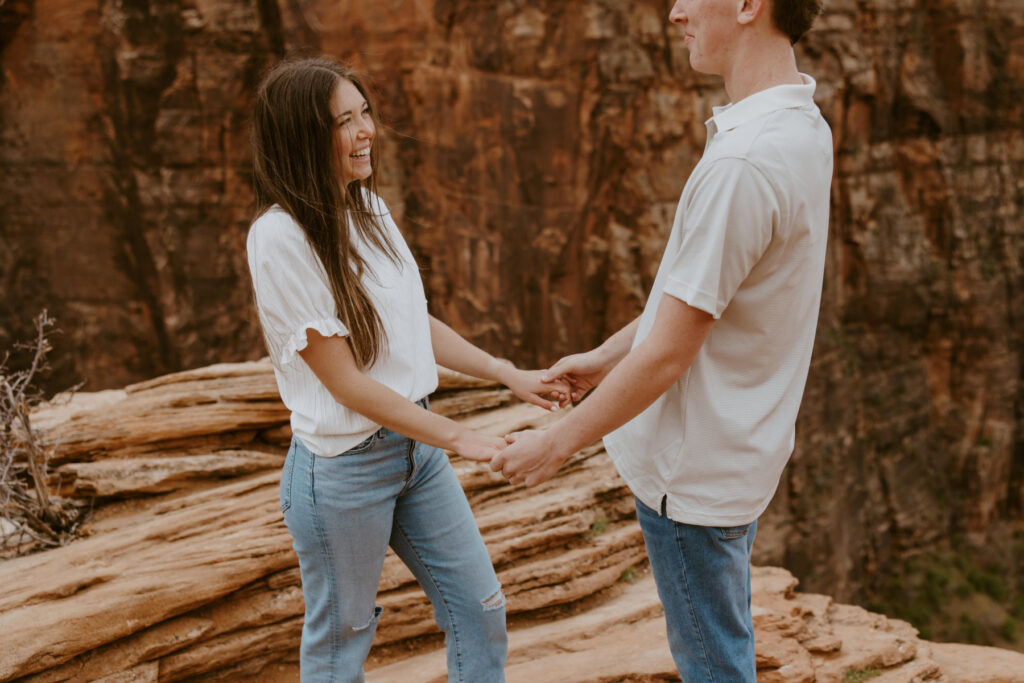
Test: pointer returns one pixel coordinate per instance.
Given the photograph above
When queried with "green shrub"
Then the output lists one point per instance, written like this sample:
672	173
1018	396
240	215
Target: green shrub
1009	629
1018	607
988	582
859	675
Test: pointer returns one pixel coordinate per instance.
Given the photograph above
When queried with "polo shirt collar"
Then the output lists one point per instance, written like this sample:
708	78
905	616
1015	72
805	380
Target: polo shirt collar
764	102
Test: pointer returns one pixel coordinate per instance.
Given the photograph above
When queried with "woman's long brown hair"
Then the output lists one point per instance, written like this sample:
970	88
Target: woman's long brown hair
295	166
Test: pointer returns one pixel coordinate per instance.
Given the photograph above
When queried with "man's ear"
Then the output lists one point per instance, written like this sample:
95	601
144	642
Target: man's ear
748	10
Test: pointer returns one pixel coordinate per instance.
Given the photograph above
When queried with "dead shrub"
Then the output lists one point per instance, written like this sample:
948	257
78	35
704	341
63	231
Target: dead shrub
31	517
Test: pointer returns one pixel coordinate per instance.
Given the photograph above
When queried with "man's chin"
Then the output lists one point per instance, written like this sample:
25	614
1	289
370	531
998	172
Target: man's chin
699	67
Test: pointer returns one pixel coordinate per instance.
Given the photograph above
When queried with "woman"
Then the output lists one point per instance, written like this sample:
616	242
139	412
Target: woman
354	349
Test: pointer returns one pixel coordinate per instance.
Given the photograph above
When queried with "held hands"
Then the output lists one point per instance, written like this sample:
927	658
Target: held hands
527	385
531	458
534	456
530	386
525	457
581	371
475	446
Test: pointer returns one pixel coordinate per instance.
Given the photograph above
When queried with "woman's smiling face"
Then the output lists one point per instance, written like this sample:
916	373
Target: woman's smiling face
353	122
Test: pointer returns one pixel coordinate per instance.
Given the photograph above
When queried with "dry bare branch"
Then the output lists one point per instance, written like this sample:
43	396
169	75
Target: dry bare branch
30	516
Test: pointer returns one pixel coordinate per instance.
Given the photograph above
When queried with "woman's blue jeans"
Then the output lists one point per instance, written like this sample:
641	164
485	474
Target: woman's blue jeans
344	511
703	579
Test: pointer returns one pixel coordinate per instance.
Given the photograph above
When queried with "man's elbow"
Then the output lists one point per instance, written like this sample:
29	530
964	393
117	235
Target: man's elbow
663	366
675	366
671	358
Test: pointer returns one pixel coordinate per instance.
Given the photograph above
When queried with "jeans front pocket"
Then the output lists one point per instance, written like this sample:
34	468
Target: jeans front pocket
730	533
286	479
362	446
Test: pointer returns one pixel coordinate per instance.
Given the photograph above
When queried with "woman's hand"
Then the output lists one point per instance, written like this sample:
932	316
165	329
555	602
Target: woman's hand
475	446
455	353
528	385
582	371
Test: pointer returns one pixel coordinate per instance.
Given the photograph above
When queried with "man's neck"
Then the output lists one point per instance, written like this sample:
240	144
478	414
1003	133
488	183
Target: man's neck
759	66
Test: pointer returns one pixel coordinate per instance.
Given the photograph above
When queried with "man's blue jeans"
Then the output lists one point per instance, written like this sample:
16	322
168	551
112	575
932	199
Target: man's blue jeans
703	579
344	511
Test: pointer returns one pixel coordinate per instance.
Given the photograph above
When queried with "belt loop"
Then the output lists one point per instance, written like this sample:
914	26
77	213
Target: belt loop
664	505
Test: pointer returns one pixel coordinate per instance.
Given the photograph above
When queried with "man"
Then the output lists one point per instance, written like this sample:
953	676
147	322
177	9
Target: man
702	390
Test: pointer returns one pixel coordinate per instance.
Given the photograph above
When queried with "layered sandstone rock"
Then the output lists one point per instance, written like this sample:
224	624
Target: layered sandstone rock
187	571
538	152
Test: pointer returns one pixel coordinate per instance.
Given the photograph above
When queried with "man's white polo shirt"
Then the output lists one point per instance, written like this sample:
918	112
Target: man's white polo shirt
747	246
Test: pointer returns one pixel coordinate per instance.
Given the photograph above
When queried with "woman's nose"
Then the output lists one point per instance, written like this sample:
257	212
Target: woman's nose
365	127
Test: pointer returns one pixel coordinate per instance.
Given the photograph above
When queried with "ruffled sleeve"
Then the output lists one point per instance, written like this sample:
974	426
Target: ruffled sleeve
290	284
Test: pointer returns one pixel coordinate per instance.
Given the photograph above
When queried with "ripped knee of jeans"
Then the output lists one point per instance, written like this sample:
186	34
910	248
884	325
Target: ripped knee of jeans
373	619
495	601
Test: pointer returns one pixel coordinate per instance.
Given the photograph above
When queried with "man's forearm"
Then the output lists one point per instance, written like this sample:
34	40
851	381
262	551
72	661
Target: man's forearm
618	399
615	348
636	381
639	377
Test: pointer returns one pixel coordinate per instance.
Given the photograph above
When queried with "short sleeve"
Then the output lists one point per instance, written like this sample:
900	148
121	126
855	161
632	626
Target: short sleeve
727	226
291	288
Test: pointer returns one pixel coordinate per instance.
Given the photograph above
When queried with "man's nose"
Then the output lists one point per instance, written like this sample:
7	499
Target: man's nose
677	15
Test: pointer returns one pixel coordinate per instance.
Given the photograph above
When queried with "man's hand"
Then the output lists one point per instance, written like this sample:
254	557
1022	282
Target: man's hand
530	387
583	371
531	457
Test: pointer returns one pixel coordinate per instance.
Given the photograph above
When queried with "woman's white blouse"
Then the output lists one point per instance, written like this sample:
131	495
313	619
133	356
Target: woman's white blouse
293	295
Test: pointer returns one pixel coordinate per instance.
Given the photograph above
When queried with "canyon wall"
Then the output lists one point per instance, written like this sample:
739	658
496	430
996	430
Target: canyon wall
535	156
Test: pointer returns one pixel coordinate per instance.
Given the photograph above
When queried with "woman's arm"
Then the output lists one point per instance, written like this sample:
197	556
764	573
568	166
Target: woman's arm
331	360
455	353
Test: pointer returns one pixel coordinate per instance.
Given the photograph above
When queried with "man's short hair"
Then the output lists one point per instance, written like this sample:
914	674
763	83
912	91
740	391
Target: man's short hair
794	17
